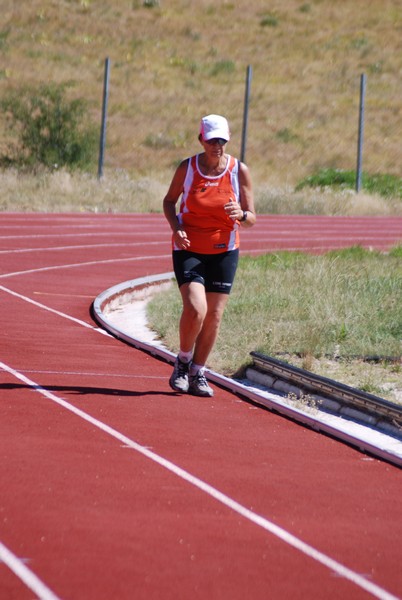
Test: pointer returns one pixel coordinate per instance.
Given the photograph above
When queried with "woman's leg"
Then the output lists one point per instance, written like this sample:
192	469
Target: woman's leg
201	317
209	329
193	314
198	384
219	277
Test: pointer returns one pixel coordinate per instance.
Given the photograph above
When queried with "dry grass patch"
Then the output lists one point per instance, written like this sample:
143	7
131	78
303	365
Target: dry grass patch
65	191
62	191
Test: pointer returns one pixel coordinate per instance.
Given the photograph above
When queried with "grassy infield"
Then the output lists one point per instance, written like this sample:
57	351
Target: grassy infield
322	313
306	59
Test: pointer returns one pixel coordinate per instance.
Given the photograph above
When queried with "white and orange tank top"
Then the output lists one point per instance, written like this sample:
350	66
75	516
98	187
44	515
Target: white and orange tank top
201	213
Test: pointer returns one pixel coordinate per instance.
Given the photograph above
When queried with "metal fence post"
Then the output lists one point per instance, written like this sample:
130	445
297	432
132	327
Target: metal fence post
245	114
102	141
361	133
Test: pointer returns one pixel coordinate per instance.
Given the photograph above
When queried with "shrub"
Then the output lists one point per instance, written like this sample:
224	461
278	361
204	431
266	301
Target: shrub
329	178
49	128
383	184
269	21
223	67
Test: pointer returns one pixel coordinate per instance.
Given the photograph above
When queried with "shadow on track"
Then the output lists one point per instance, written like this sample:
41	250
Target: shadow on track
84	390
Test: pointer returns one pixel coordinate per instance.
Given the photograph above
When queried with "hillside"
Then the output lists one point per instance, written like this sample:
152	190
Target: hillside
173	61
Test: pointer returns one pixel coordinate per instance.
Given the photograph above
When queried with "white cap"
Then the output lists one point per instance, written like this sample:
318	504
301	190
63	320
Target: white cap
214	126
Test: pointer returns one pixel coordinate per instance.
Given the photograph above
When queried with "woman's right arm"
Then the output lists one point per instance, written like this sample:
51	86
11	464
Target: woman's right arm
169	205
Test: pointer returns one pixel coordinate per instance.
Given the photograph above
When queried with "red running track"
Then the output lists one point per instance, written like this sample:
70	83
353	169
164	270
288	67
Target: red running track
114	487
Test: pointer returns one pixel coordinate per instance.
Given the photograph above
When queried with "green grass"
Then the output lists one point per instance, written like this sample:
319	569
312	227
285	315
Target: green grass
307	309
381	184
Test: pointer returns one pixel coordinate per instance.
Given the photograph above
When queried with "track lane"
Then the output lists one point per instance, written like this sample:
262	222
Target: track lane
222	442
110	478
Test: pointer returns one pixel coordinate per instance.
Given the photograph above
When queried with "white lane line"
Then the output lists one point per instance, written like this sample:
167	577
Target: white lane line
79	247
86	264
61	295
152	229
52	310
339	240
211	491
31	580
163	234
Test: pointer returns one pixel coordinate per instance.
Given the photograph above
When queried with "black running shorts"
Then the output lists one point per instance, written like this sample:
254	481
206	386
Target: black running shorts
216	272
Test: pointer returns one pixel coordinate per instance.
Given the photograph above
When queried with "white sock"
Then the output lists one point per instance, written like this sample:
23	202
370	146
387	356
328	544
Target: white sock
195	368
185	356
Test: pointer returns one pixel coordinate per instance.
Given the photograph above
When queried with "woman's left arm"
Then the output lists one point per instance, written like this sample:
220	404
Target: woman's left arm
246	197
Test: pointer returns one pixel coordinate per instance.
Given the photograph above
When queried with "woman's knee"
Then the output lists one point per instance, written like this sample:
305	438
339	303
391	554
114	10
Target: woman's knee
194	302
194	312
216	304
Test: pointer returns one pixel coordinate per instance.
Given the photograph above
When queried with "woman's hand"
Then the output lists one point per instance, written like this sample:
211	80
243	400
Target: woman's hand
233	210
181	240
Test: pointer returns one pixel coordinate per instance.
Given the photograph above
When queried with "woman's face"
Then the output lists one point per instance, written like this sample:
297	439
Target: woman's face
215	147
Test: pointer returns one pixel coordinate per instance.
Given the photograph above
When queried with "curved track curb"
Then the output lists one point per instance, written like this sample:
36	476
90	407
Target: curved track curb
358	435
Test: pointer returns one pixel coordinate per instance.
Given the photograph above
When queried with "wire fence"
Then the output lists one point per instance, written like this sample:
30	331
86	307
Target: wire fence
288	130
283	137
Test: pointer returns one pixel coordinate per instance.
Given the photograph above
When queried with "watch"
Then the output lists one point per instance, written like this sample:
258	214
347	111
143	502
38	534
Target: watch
244	217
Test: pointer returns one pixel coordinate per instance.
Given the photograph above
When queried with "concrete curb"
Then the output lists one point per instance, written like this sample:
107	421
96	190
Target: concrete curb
132	292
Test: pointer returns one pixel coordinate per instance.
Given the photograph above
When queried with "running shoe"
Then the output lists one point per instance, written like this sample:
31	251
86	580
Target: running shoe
199	385
179	378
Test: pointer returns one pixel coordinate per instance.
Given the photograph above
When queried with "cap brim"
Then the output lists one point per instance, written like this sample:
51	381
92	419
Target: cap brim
216	134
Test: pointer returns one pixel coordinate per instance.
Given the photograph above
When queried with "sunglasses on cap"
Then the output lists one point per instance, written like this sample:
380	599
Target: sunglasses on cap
219	141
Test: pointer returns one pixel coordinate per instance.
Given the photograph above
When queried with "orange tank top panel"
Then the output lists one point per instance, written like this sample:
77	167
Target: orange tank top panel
202	213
